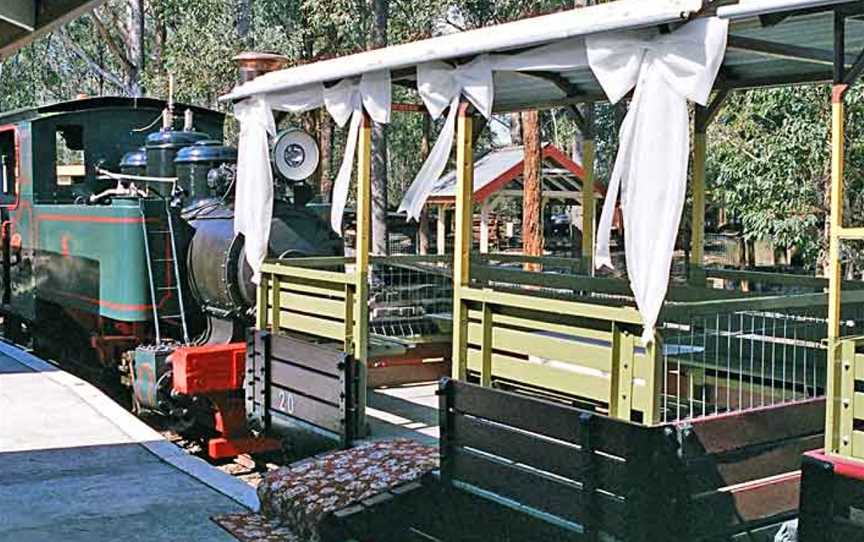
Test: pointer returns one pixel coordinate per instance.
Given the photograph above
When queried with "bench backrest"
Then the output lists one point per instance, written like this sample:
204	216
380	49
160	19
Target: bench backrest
583	471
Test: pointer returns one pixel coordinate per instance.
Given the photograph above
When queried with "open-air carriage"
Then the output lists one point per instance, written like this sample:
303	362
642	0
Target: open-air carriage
556	408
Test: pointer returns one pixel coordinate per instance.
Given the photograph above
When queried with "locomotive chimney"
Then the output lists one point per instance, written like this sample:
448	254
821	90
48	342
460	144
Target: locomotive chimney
251	64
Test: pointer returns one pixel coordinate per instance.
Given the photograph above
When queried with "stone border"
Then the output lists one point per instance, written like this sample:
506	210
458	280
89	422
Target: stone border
138	431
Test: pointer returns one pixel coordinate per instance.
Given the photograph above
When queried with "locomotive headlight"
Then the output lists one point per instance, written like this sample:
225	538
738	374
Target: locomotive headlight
295	155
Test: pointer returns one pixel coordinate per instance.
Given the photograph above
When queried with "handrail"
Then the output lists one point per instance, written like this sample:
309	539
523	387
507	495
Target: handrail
672	311
314	261
412	259
553	261
550	280
776	278
625	315
300	272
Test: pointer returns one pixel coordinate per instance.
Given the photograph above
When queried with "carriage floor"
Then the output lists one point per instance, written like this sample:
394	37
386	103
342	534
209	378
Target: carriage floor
75	466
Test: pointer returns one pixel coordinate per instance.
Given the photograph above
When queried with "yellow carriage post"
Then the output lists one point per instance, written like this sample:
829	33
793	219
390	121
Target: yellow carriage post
839	419
361	264
463	237
588	200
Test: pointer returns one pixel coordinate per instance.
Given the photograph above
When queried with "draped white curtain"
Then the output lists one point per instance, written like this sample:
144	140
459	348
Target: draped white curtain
345	101
654	150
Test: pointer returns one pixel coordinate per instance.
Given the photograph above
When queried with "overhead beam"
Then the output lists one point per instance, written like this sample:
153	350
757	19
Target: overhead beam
35	22
733	83
854	72
782	50
21	13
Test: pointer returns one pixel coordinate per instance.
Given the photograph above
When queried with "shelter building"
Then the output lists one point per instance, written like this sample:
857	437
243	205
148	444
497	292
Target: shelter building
498	175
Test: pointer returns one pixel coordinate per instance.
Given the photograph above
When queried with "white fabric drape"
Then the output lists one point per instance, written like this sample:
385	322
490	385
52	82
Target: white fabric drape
253	203
441	86
253	208
345	101
651	166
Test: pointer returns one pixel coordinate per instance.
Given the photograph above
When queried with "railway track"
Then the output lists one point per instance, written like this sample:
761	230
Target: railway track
245	468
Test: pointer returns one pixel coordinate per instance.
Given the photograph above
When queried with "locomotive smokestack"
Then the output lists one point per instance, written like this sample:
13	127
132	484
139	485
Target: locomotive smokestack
251	64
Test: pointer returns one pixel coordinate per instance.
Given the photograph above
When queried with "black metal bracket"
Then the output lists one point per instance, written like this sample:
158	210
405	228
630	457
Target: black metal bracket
590	480
445	416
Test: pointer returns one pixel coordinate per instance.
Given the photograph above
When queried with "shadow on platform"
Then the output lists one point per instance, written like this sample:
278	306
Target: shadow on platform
104	492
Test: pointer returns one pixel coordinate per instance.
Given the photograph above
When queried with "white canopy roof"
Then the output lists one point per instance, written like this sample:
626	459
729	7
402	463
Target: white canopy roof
762	51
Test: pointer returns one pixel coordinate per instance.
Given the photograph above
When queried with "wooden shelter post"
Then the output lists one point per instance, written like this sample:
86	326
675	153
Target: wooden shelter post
839	415
697	235
485	209
463	237
441	237
588	200
701	121
361	271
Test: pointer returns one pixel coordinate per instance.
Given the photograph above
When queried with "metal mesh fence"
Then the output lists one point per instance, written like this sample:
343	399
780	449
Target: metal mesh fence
409	299
735	361
724	361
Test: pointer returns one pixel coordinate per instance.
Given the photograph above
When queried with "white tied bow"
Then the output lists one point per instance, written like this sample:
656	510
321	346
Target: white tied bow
651	166
441	86
347	100
253	208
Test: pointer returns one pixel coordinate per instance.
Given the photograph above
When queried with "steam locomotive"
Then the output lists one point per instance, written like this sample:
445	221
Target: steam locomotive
118	243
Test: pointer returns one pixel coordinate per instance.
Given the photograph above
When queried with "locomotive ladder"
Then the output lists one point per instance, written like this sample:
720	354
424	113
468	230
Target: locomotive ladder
160	237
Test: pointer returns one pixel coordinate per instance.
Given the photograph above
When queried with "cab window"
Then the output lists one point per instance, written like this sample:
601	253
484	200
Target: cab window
8	166
71	168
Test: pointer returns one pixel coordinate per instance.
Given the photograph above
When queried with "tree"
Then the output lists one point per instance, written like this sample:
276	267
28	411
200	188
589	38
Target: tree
769	166
532	188
381	15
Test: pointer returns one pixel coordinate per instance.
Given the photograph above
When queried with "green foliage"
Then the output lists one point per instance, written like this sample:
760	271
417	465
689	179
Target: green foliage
769	164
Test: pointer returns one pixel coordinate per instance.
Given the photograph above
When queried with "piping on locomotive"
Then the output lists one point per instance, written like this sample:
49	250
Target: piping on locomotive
119	247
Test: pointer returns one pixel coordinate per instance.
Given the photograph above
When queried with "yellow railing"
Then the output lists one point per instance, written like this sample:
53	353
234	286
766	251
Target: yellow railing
299	297
584	352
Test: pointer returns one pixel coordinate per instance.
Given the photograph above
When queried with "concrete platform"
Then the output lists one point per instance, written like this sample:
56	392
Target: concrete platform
74	466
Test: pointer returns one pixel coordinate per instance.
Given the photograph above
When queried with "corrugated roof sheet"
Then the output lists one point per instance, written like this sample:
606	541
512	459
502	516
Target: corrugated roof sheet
22	21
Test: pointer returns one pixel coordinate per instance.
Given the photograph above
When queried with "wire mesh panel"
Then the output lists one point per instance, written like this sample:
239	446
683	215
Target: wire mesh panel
409	297
731	361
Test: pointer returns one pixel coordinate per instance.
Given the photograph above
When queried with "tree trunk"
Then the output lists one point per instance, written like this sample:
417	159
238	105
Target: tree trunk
381	10
243	23
532	196
325	140
423	228
160	40
135	46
